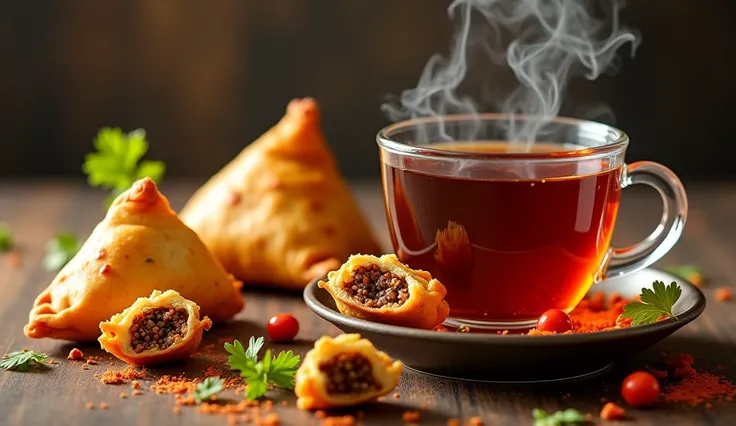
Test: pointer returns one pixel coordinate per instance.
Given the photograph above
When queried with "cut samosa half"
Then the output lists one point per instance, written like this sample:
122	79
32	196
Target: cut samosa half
382	289
158	329
344	371
280	213
140	246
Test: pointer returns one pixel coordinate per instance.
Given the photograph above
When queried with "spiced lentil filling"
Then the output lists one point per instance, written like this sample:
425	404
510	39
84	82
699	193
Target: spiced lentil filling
158	328
375	288
349	373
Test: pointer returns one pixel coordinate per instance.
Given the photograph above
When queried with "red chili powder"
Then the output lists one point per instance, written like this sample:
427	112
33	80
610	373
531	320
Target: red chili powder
695	386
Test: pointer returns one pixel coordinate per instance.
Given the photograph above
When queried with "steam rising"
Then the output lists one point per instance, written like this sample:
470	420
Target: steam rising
554	40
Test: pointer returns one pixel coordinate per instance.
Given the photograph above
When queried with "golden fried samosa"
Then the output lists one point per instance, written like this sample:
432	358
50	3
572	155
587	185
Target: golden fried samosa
280	213
140	246
344	371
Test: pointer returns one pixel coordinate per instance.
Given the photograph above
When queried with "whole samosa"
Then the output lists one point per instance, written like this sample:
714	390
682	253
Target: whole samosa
140	246
280	213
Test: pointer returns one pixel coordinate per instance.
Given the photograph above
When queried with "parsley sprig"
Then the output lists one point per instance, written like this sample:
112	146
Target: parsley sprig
271	370
22	360
691	273
117	162
209	387
6	238
60	250
558	418
655	302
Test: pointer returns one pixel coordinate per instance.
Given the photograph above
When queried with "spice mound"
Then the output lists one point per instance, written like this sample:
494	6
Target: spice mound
385	290
344	371
596	312
690	386
161	328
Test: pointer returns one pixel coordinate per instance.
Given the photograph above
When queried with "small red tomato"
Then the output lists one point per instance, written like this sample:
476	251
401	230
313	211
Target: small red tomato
282	328
554	320
640	389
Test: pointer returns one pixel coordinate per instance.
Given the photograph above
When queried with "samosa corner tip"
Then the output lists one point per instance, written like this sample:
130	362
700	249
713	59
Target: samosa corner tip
304	109
143	194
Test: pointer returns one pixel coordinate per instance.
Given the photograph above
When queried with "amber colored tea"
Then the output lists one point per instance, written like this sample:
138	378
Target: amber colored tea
508	246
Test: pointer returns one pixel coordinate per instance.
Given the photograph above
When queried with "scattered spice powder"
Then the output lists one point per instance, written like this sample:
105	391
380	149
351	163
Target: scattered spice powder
176	410
271	419
411	417
75	354
453	422
117	377
14	259
338	421
135	384
136	393
594	313
475	421
85	367
90	361
52	361
90	406
724	294
696	387
396	395
612	411
104	406
123	395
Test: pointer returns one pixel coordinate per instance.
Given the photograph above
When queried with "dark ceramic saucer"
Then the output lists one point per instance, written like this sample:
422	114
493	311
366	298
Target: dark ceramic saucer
518	358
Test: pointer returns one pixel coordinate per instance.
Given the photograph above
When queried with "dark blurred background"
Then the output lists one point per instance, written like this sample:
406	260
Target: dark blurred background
206	78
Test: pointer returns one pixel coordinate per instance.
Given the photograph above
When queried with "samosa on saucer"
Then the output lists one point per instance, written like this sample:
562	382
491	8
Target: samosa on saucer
281	213
140	246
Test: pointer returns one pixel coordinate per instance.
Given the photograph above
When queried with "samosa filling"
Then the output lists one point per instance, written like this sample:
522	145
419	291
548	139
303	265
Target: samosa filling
375	288
158	328
349	373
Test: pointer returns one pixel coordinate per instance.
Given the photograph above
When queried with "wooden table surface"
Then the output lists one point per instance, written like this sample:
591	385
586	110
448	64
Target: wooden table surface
38	210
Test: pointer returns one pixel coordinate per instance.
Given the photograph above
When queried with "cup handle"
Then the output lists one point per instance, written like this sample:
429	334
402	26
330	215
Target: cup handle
625	260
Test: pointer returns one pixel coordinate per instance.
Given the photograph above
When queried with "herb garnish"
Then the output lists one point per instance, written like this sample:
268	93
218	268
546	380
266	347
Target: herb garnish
22	360
209	387
655	303
60	250
271	370
558	418
6	238
691	273
117	162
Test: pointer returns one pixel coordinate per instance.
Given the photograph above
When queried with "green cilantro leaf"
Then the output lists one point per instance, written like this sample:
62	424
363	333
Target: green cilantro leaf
238	359
117	162
655	302
271	370
6	238
22	360
209	387
60	250
283	369
691	273
683	271
254	346
558	418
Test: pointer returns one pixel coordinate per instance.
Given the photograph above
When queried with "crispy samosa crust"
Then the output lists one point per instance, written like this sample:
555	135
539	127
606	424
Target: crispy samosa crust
344	371
141	245
280	213
387	291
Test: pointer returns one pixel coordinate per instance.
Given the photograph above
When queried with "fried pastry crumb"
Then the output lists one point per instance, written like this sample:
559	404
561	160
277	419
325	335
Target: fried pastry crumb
75	354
